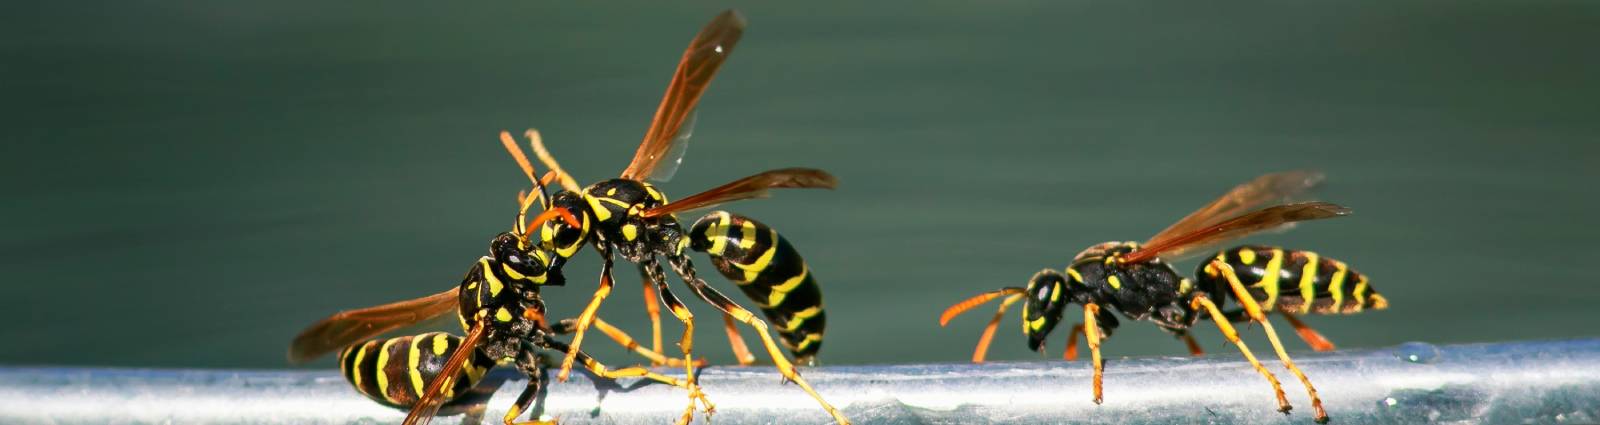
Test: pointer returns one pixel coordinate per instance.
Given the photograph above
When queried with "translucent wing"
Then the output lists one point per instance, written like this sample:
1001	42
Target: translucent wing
351	326
700	63
749	187
1237	227
668	166
434	395
1275	188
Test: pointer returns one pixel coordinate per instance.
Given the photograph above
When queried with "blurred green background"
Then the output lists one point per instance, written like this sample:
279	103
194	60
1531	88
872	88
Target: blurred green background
188	184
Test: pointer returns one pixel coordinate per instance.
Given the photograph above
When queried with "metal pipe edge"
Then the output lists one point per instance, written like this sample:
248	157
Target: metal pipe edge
1537	382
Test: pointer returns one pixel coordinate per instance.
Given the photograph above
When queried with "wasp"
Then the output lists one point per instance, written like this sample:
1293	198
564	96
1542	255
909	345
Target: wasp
628	217
498	302
1138	281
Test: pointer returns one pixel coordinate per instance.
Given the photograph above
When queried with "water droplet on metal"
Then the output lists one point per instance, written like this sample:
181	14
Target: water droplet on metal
1417	352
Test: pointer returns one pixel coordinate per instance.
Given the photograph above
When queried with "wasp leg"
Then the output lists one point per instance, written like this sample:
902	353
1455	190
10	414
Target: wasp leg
685	269
523	402
1091	332
638	372
626	341
1194	347
741	350
988	331
1310	336
654	311
587	318
1071	353
603	371
1200	300
530	367
1250	306
567	326
658	277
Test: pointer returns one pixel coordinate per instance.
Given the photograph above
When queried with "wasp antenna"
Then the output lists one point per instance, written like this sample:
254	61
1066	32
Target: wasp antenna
565	215
510	144
516	154
550	161
970	303
521	225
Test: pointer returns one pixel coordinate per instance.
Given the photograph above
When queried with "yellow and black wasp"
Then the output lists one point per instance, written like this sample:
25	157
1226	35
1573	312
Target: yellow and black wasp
629	217
1138	281
498	302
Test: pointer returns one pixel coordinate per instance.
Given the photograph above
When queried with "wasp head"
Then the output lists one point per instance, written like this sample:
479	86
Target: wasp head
1045	298
521	261
559	236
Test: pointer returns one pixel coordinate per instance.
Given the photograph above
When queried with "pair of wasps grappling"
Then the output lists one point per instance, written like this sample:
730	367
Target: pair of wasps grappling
499	304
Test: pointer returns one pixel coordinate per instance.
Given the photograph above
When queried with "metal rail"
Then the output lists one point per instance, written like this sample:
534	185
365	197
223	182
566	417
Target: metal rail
1502	383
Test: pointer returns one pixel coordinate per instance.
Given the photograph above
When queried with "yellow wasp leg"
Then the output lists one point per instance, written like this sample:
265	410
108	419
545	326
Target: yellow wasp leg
1254	309
1091	332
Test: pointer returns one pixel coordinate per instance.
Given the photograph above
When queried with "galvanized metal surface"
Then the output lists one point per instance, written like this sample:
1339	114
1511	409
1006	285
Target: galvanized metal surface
1504	383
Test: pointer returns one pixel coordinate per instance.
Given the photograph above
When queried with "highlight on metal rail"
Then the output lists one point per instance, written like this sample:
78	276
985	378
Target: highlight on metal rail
1499	383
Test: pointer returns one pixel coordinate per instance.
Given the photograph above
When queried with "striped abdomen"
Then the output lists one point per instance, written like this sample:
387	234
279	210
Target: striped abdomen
395	371
771	272
1293	281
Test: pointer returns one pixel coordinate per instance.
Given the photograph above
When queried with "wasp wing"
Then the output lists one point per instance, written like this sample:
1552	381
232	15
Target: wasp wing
351	326
1268	189
668	165
657	156
434	396
755	186
1237	227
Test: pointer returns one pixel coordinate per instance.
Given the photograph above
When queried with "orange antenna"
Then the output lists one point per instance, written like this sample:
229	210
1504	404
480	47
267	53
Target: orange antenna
553	213
523	199
970	303
550	161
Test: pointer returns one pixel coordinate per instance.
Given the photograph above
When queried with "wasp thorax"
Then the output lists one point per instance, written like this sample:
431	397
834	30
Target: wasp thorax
1106	249
625	192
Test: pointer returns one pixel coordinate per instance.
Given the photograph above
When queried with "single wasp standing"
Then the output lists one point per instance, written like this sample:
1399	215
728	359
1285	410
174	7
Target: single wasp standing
629	217
1135	280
